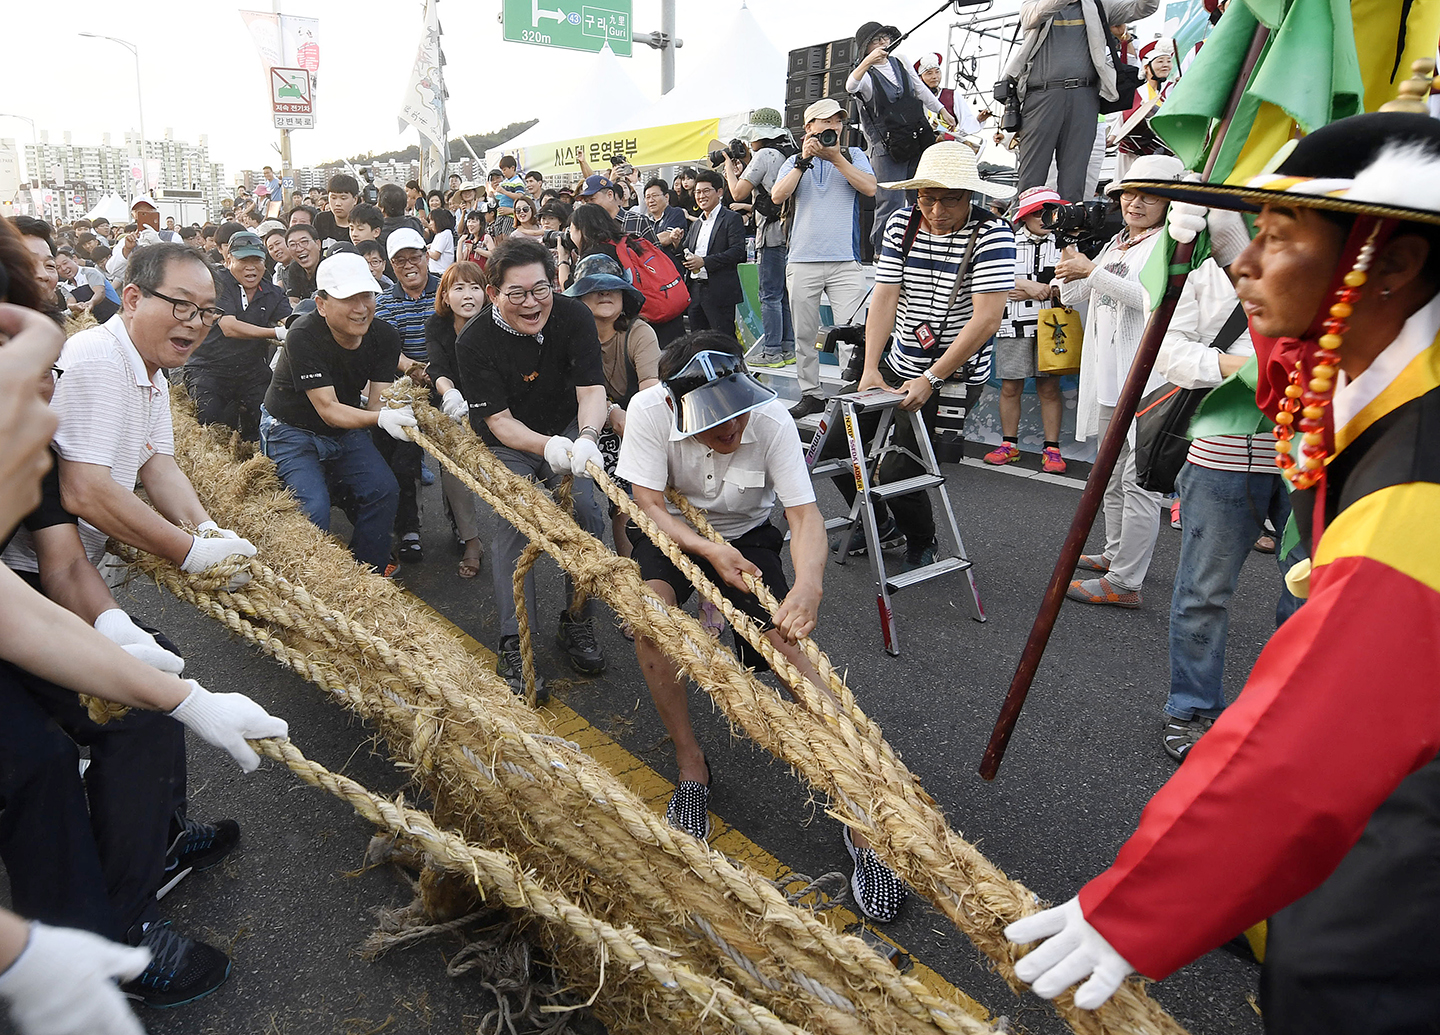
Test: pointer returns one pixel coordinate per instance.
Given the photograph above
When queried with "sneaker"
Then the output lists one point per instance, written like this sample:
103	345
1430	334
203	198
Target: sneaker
1052	462
197	846
787	357
181	969
1175	512
1178	736
889	533
427	476
1004	453
1093	562
410	551
879	891
390	569
921	558
768	358
576	637
689	808
510	668
808	404
1099	591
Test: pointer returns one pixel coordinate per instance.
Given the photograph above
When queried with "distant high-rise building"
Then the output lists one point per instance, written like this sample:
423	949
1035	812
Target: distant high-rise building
81	175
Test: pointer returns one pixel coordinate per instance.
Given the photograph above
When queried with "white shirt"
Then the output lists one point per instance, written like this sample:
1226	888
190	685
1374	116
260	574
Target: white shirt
702	239
112	414
1415	337
735	491
444	243
866	89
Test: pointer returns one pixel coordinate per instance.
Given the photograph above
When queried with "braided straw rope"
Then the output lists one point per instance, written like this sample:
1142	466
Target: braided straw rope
480	753
826	736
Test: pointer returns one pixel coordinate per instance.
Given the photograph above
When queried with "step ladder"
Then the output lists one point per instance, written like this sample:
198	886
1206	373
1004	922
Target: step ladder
842	416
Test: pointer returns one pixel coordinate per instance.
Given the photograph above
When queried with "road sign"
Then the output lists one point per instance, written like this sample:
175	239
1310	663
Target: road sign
570	24
291	98
288	182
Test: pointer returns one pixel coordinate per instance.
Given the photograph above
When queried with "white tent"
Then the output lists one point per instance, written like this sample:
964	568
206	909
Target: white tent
112	207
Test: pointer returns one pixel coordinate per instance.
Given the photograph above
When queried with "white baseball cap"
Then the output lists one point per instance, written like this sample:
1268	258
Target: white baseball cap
402	238
346	274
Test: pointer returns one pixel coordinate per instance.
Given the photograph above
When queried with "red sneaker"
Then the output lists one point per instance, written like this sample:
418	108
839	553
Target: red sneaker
1004	453
1053	462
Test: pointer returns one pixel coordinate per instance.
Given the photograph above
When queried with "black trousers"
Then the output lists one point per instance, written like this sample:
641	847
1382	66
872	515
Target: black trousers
1360	955
404	459
87	853
707	312
232	400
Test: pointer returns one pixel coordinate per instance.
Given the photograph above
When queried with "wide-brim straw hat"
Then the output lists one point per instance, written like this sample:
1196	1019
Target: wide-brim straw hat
1379	164
951	165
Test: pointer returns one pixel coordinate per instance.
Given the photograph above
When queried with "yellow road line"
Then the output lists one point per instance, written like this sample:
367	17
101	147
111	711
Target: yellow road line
655	790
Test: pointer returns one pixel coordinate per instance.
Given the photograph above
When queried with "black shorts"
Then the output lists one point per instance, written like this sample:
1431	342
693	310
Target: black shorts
760	546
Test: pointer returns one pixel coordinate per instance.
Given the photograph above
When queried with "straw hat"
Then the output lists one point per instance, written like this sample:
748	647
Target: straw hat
950	165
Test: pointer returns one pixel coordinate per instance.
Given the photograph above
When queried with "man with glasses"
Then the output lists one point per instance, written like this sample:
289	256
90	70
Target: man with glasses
324	398
532	373
827	181
406	306
714	250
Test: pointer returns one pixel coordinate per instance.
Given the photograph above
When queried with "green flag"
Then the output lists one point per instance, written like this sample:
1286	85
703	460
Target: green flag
1309	73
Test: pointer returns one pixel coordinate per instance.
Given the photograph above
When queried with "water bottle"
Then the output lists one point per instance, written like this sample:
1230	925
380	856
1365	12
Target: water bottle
750	249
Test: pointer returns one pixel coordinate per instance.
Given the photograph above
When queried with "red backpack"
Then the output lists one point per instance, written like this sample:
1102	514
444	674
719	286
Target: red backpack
654	273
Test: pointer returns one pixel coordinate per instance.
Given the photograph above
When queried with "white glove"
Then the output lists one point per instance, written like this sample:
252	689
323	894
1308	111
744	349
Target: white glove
205	552
115	625
63	984
394	422
455	406
280	332
557	453
1185	220
1229	235
1073	951
227	721
584	452
210	526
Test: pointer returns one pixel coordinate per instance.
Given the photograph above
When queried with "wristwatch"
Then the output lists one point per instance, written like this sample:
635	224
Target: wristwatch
935	382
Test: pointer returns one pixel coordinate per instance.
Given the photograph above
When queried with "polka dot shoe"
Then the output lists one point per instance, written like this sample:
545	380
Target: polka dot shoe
689	808
878	890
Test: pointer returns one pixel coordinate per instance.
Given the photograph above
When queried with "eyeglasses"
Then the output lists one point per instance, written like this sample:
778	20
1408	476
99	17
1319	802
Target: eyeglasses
1127	196
701	192
946	201
412	260
186	311
517	296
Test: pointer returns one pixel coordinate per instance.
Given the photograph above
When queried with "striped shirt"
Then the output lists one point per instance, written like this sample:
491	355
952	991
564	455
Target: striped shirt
1034	258
112	414
1250	454
408	315
926	277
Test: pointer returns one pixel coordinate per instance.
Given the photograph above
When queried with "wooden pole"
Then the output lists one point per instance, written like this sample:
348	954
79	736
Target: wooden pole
1109	451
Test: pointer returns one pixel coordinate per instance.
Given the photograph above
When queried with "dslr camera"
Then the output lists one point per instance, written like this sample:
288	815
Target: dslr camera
1079	224
828	138
1007	92
736	149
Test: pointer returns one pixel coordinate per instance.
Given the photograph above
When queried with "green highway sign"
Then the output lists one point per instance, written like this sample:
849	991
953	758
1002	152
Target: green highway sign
570	24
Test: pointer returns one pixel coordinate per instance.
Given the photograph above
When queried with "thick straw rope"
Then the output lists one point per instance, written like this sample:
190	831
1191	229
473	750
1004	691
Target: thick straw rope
476	748
827	737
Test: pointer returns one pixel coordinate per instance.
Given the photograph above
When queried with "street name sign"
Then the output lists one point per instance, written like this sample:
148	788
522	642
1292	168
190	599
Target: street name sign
570	24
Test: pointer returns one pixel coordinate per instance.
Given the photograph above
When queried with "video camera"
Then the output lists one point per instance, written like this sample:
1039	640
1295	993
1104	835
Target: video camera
1007	92
1079	224
737	149
369	193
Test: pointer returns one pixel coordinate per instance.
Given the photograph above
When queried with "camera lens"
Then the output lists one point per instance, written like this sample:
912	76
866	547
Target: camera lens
829	138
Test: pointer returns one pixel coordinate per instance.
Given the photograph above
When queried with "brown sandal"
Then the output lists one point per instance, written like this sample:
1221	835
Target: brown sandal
470	566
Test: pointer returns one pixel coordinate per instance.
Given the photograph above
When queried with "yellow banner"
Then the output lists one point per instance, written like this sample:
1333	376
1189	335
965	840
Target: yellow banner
657	145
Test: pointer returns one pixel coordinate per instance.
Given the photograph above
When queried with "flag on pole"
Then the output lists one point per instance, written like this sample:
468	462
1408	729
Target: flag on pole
424	104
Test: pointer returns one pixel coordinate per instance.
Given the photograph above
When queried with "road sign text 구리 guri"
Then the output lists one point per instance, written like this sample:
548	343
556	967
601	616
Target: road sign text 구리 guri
570	24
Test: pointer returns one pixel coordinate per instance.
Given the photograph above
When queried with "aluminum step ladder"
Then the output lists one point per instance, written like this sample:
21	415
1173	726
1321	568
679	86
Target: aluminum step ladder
842	416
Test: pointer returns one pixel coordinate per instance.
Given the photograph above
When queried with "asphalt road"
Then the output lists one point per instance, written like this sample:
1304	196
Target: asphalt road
1085	758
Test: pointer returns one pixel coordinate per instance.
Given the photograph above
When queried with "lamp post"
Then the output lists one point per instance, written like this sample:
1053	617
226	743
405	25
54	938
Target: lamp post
139	101
34	140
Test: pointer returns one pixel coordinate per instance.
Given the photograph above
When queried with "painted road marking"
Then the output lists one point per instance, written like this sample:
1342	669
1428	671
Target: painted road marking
655	790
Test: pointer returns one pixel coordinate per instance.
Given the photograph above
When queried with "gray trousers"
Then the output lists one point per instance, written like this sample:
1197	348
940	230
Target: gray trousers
888	202
1060	125
509	542
1132	517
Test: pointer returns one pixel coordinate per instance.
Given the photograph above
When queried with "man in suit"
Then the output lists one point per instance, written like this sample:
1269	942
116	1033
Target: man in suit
714	249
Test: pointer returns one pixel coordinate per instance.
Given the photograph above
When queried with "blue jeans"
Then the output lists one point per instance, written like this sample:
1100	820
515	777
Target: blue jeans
1223	512
774	299
309	463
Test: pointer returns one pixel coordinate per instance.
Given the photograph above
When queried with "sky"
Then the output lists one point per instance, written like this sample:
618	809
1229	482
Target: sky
200	72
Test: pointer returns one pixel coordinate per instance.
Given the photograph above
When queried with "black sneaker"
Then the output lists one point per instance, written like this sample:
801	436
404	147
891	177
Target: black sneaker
689	808
196	846
576	637
181	969
920	558
879	891
1180	735
509	668
808	404
410	551
890	537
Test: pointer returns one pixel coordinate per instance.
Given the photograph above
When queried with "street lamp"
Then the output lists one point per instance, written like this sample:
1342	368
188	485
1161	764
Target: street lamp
34	142
139	102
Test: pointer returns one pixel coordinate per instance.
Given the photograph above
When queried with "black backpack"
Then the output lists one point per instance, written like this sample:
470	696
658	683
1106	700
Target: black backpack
904	130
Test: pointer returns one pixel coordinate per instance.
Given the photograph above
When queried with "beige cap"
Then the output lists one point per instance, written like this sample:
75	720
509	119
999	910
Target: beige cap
822	109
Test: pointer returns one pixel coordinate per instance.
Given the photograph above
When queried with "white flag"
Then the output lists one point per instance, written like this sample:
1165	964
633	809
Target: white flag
424	103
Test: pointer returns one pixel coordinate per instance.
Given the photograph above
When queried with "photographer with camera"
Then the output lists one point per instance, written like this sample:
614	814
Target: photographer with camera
826	181
1066	72
893	103
754	177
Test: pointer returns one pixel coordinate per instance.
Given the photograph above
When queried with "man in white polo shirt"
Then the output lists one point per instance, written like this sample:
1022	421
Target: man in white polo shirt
720	437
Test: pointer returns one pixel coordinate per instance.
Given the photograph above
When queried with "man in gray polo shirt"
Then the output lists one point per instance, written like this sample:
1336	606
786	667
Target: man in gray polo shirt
827	181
